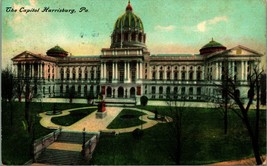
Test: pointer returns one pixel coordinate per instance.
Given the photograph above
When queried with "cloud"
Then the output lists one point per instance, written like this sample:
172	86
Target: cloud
205	25
165	28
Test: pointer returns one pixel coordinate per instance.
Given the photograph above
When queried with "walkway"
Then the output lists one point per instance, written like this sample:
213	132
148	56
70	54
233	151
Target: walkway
92	124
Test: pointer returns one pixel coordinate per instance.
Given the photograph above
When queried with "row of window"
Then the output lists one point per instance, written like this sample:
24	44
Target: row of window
176	68
176	90
175	75
92	75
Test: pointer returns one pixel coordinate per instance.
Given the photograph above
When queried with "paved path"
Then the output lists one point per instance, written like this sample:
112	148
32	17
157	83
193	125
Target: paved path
92	124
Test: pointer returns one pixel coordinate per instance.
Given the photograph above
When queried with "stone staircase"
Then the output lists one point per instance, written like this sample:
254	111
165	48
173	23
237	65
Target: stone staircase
73	137
65	156
61	157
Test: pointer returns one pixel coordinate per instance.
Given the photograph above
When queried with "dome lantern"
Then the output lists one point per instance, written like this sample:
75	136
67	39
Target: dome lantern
129	7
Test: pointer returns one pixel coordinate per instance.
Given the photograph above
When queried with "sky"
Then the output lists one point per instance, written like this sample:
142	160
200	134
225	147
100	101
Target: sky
172	26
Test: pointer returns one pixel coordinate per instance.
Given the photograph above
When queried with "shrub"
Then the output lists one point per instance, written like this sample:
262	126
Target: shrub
143	100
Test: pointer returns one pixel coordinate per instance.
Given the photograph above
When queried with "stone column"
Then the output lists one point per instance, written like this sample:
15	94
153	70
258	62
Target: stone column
246	70
95	73
233	69
242	70
187	73
128	65
32	66
116	70
137	70
157	73
105	70
203	72
195	73
141	70
40	70
101	71
125	71
164	73
220	71
172	74
217	71
45	70
113	74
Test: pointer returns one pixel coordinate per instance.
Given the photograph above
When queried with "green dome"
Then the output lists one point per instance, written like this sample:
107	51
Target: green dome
129	20
212	44
57	49
57	52
211	47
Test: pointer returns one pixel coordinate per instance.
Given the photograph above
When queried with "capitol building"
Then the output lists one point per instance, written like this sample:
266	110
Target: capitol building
127	69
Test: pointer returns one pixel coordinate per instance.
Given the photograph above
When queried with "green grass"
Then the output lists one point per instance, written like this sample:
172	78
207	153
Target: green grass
73	117
203	140
120	122
16	141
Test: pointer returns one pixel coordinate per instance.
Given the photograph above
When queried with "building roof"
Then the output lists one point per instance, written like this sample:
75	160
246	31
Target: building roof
172	55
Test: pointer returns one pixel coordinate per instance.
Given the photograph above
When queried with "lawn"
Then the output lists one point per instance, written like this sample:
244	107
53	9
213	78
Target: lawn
73	117
16	141
127	118
203	141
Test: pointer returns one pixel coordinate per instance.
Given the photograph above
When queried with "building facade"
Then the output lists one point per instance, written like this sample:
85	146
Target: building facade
128	70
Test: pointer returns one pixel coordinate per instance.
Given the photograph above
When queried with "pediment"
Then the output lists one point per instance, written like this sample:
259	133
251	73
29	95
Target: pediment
243	51
26	56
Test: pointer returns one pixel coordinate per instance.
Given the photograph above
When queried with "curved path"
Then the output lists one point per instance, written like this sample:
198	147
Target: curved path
91	124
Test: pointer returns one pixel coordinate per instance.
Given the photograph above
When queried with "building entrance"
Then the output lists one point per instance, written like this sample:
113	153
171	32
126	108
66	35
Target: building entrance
120	92
132	92
109	92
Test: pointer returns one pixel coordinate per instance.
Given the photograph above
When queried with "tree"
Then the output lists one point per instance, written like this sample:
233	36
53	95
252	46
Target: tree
234	94
143	100
176	134
223	101
8	89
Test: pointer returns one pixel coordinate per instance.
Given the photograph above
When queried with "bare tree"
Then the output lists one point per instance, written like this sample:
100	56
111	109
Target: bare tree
234	94
176	103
